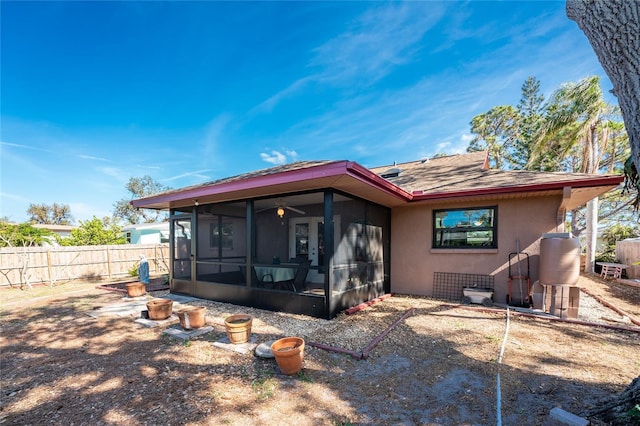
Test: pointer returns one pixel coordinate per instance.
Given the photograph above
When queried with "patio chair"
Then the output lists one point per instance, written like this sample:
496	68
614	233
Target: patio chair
268	278
299	281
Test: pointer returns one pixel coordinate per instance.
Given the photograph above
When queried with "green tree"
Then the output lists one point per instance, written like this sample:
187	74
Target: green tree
95	232
140	188
54	214
531	109
22	235
620	58
611	235
496	131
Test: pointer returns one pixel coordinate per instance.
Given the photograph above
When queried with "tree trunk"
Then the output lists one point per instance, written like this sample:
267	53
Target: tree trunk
616	410
613	29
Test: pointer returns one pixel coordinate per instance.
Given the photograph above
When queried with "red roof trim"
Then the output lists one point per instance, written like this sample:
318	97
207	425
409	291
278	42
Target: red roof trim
365	175
334	169
362	174
584	183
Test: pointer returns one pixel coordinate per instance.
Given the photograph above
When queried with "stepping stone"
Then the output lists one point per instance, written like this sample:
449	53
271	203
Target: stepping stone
183	334
263	350
161	323
241	348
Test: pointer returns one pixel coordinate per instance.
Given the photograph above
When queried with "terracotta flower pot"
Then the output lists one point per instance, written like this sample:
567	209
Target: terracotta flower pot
238	327
289	353
136	289
160	309
192	317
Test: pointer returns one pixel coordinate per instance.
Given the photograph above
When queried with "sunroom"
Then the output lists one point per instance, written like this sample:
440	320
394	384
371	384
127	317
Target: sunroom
305	238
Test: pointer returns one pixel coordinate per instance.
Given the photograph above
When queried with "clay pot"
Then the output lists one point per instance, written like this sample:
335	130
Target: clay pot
160	309
136	289
192	317
289	352
238	327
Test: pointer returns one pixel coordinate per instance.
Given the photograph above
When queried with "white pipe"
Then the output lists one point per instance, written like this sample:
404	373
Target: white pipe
498	396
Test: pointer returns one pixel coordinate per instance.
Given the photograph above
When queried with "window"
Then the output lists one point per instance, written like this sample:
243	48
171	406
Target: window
465	228
222	236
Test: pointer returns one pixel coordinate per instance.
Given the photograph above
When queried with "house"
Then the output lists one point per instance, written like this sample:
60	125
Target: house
147	233
322	236
63	231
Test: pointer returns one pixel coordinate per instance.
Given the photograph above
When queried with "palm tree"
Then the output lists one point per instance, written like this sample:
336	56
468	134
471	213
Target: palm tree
575	119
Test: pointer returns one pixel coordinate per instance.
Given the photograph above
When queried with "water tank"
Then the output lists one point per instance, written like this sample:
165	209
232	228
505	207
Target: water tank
559	259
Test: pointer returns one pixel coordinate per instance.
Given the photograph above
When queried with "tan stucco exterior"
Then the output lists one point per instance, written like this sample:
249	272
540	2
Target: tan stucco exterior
413	261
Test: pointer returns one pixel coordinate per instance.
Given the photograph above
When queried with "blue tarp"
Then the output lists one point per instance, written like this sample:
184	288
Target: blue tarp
143	270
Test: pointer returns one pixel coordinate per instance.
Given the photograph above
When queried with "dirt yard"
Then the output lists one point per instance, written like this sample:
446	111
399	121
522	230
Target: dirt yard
439	365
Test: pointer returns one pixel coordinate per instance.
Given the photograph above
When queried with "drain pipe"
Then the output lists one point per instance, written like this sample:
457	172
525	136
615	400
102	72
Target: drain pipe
374	342
364	354
498	396
548	317
365	305
354	354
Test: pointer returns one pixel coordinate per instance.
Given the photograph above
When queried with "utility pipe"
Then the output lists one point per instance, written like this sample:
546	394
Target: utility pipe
498	386
374	342
354	354
365	305
551	318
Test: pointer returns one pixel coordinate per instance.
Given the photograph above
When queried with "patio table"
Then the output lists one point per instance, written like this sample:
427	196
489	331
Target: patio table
280	272
611	269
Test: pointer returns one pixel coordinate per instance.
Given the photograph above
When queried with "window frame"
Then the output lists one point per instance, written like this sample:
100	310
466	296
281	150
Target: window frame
220	240
435	231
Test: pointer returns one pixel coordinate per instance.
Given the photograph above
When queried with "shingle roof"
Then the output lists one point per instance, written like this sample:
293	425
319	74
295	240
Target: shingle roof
450	177
467	172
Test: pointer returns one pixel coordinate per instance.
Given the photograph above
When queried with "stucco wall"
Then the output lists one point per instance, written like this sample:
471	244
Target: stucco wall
413	261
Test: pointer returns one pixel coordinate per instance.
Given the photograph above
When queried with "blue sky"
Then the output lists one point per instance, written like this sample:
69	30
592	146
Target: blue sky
94	93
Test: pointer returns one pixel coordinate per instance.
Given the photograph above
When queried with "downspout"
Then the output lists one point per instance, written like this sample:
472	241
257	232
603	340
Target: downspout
561	215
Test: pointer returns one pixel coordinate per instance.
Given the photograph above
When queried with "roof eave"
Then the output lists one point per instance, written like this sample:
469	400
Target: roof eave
607	181
325	173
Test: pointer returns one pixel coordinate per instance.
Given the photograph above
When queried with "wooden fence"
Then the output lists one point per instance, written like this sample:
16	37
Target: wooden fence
21	266
628	252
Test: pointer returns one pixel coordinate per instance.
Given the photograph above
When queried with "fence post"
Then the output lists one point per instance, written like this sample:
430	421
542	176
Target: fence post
49	268
109	262
155	257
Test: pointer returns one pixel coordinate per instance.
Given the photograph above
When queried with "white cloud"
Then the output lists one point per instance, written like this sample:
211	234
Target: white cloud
91	157
274	157
466	137
375	43
196	173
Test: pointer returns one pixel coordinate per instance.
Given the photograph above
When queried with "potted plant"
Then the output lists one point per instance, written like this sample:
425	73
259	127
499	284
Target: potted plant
160	309
238	327
289	352
192	317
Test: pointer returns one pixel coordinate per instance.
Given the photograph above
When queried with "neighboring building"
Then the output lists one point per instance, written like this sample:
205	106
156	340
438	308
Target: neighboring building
147	233
424	228
63	231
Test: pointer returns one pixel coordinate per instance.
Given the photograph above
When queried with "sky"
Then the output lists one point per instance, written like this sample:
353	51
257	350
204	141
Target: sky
95	93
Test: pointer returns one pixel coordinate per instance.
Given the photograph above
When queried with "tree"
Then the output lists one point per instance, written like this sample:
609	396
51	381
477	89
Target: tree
612	29
95	232
139	188
55	214
496	132
575	118
530	108
22	235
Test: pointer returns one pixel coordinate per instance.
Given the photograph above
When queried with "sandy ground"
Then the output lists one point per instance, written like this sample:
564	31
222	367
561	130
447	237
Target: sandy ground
438	364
